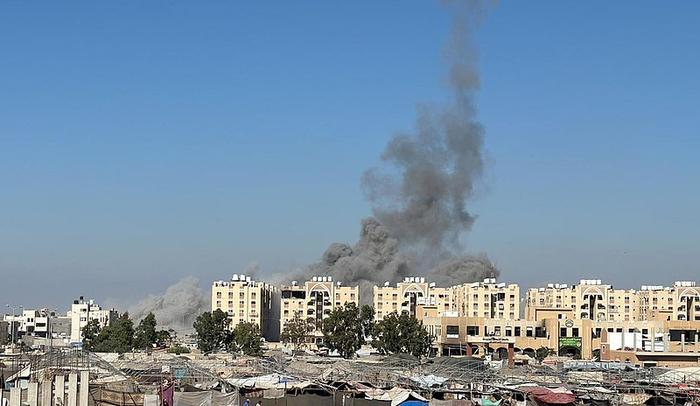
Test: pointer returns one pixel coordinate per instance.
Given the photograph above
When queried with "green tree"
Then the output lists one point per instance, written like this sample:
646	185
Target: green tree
117	337
146	335
296	331
178	349
246	338
165	338
542	353
401	334
343	330
212	331
367	320
90	333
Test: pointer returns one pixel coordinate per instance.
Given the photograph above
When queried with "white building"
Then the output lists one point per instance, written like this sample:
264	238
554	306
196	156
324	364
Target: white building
82	312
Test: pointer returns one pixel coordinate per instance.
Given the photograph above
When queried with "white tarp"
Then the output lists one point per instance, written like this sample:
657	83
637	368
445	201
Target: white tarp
428	380
271	381
680	375
395	395
205	398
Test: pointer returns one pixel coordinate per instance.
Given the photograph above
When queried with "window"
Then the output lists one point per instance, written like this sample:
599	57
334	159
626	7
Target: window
452	331
497	331
517	331
509	332
472	330
562	332
218	295
574	332
528	332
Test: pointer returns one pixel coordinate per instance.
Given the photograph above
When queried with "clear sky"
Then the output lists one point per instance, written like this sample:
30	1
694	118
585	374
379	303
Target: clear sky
141	142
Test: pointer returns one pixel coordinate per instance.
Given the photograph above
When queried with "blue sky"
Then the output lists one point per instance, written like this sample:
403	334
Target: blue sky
144	142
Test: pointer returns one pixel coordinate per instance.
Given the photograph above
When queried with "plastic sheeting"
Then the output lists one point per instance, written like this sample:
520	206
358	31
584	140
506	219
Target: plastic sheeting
428	380
553	396
206	398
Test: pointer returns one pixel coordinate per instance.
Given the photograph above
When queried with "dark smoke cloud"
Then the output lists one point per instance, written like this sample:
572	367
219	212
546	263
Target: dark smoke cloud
421	192
374	260
460	269
419	196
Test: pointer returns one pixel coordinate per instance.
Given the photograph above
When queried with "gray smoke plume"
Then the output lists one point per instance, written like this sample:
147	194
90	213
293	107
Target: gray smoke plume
177	307
419	196
421	193
372	261
466	268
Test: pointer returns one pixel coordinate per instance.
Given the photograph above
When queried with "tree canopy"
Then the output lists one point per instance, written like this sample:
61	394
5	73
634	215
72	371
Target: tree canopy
246	338
296	331
117	337
212	331
344	329
401	334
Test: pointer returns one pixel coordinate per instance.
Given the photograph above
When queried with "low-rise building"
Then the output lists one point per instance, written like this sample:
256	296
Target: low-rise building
246	300
314	301
83	311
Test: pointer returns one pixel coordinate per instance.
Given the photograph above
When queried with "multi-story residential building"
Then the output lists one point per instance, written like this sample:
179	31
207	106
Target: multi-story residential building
678	302
314	301
246	300
488	299
83	311
590	299
411	292
594	300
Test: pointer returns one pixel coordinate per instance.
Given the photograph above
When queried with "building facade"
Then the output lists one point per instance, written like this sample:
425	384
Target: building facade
407	295
488	299
83	311
314	301
246	300
591	299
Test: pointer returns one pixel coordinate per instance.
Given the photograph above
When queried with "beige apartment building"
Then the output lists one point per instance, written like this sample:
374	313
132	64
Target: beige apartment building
679	302
591	299
488	299
314	301
246	300
408	294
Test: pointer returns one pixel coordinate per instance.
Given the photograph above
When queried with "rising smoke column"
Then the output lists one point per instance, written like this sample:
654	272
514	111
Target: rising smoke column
420	193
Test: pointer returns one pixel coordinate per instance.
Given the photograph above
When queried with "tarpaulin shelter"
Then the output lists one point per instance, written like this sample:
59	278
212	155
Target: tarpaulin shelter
550	396
206	398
